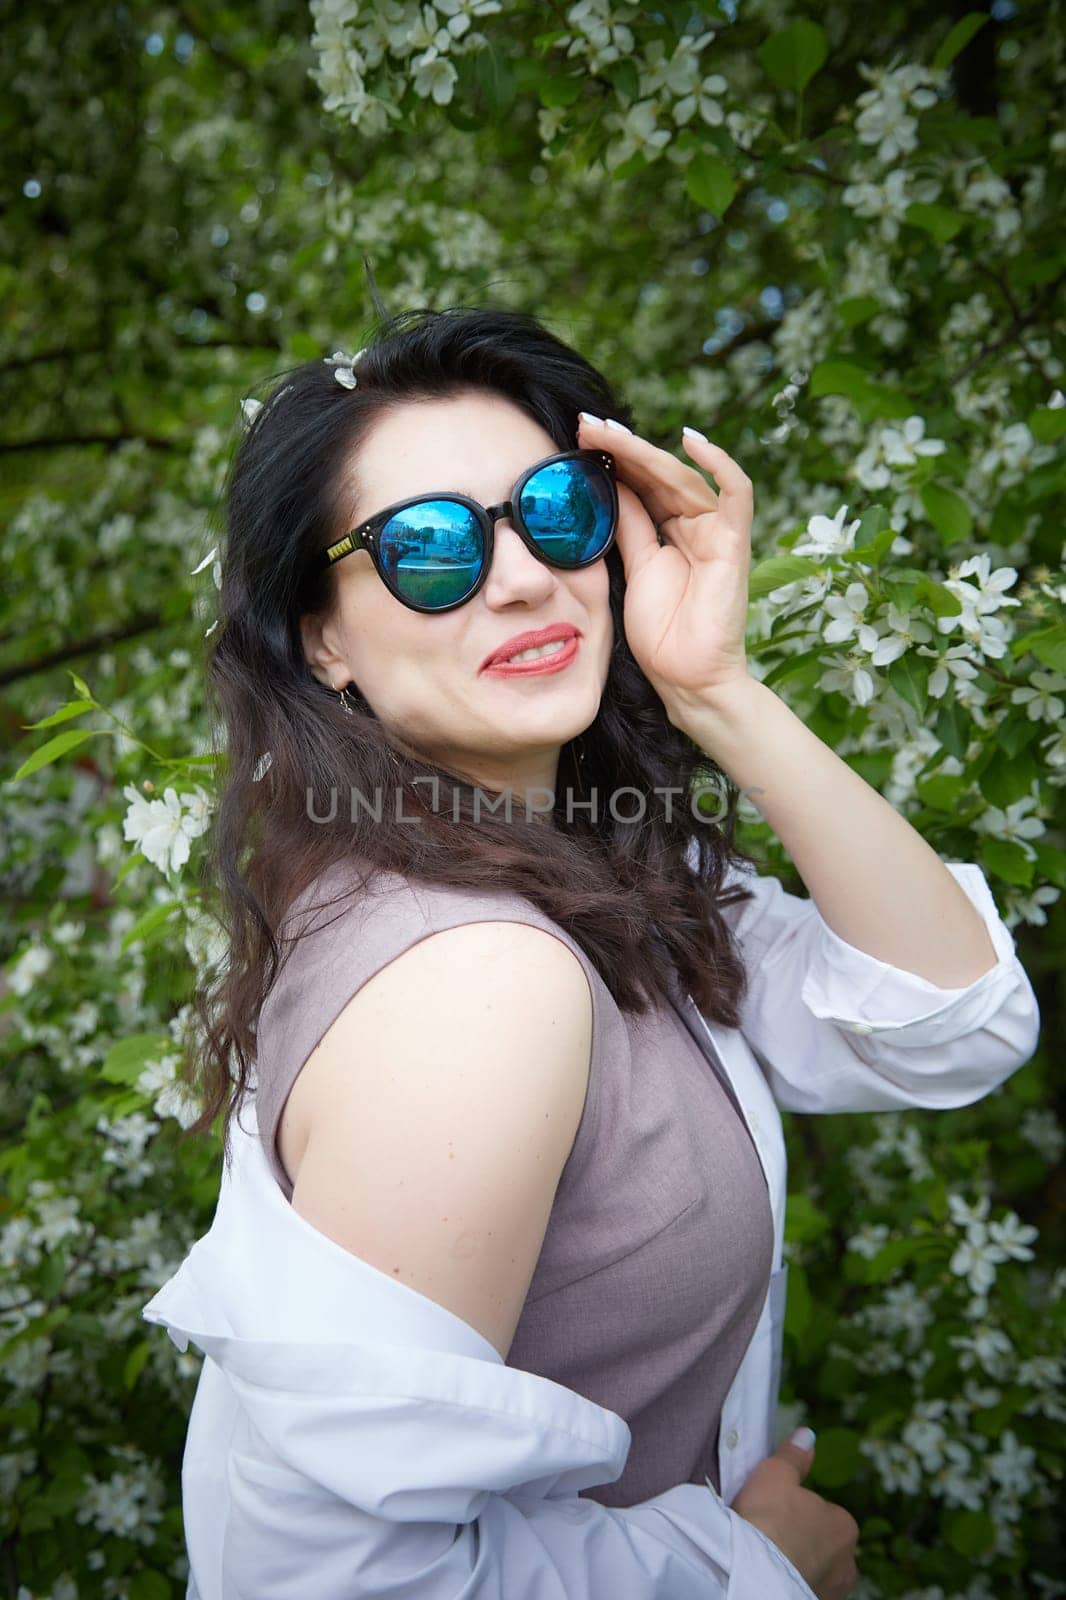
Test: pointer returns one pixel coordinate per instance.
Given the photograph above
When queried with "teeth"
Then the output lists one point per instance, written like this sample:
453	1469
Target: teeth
540	650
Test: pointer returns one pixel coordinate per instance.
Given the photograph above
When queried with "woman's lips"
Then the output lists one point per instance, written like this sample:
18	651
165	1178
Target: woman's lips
535	669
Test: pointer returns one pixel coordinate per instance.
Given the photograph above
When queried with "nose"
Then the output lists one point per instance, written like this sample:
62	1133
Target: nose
516	573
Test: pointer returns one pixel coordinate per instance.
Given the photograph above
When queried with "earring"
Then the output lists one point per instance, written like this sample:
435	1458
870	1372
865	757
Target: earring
344	699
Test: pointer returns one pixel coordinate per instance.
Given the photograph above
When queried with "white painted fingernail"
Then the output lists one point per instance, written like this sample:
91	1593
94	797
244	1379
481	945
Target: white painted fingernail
611	423
588	416
696	434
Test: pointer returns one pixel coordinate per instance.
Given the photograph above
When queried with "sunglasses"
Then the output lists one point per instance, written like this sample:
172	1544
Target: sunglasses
434	551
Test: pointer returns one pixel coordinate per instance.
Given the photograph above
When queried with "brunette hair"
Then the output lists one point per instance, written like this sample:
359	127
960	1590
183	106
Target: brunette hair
636	896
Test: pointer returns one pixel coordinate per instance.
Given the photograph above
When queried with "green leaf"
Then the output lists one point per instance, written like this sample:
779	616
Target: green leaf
1049	646
942	791
1007	860
624	76
874	537
803	1220
837	1459
54	749
135	1362
792	56
857	308
1015	732
134	861
1051	862
909	676
871	399
959	37
1047	423
838	377
1031	643
152	919
629	169
808	663
544	41
971	1533
940	599
495	79
798	1304
710	183
80	684
898	1252
952	729
126	1060
149	1585
73	708
558	91
939	222
64	1493
776	571
1006	778
874	521
947	511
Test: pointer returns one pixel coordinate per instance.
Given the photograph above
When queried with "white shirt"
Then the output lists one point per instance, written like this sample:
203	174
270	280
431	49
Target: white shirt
350	1438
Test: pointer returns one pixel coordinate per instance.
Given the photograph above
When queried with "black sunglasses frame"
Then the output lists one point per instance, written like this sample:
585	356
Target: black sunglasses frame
365	537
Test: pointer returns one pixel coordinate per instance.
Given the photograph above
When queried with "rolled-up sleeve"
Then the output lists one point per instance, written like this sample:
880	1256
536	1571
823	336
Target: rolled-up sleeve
837	1029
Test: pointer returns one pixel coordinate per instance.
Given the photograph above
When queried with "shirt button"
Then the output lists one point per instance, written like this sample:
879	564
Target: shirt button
732	1439
862	1027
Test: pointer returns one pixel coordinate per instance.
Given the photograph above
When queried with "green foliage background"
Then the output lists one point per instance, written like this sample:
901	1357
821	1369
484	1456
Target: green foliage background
830	238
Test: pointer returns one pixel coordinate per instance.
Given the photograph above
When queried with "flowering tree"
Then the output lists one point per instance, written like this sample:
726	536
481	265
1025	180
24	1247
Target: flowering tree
833	245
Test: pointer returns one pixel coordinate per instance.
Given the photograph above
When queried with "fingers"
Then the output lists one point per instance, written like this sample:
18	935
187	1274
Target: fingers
666	485
736	494
796	1453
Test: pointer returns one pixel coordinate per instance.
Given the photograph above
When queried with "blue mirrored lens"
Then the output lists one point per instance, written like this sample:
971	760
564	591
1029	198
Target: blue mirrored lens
567	507
432	552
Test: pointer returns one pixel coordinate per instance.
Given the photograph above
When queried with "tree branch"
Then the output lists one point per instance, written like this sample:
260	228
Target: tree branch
72	440
82	647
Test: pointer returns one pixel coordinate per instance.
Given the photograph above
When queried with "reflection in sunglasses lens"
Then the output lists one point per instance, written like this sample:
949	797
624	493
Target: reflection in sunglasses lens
432	552
567	508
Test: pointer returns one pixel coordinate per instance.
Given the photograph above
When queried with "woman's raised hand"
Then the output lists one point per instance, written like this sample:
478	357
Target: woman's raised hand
686	599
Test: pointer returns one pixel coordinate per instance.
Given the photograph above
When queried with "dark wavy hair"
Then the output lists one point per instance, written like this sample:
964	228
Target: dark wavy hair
646	916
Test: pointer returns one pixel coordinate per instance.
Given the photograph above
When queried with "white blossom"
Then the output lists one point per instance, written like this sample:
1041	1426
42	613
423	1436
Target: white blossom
847	611
827	536
904	630
1041	697
1013	823
1013	1237
990	1347
849	676
977	1258
902	446
954	663
163	828
1022	906
869	1240
1011	1465
32	964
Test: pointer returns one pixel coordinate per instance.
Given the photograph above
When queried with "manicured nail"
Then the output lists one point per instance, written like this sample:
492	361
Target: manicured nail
804	1438
611	423
587	416
696	434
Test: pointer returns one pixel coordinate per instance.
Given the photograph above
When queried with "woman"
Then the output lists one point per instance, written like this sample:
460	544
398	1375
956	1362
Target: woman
494	1291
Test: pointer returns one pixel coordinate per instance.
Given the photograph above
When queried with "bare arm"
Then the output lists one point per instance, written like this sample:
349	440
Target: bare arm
440	1110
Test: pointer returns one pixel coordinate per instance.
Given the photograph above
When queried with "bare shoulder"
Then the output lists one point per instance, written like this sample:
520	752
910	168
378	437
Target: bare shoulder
429	1129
